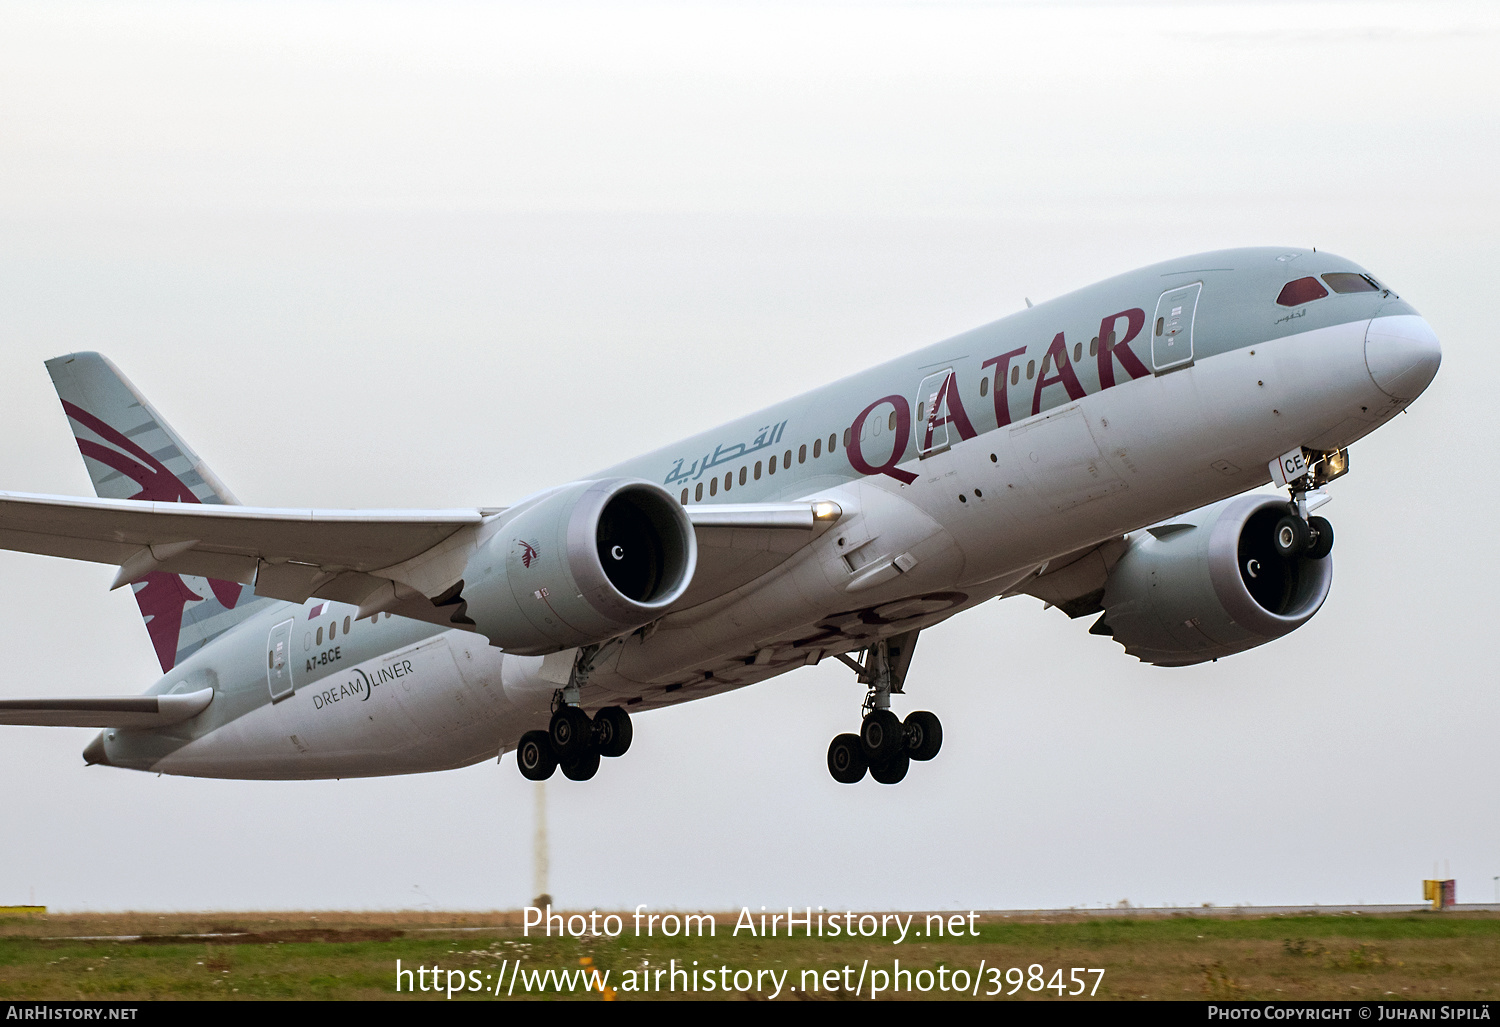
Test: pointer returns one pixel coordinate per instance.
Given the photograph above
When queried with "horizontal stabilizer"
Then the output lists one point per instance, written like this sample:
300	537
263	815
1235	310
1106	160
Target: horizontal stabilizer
112	711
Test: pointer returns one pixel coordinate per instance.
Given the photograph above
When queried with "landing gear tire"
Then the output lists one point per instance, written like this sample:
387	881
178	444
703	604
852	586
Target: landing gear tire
924	735
846	760
612	731
1322	543
534	756
881	736
892	771
1292	536
582	768
571	734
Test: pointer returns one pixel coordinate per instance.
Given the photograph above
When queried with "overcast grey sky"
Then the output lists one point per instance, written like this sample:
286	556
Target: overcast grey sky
446	254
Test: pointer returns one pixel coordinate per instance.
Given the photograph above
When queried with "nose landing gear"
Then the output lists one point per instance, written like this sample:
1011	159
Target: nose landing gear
1297	537
1299	533
886	745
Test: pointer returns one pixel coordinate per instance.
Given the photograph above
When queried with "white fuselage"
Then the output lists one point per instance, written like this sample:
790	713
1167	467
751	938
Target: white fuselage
980	517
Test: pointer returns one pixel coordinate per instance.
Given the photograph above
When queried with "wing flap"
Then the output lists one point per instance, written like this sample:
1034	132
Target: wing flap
138	711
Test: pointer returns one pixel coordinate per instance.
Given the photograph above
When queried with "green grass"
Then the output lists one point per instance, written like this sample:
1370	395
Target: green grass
353	956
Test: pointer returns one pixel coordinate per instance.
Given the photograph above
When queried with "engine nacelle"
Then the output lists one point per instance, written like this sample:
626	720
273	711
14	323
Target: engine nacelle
588	562
1210	584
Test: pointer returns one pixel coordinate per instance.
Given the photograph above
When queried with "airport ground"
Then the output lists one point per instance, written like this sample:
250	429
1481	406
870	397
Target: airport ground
1367	953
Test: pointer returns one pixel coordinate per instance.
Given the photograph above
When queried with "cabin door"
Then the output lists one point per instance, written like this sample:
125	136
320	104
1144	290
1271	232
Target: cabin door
931	422
279	661
1172	328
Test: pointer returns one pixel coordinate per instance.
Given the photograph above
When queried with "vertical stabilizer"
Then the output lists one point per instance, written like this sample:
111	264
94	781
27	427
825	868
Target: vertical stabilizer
132	453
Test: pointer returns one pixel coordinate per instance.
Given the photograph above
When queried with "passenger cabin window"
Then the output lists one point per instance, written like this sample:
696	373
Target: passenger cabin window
1094	346
848	437
713	486
319	640
1345	281
771	466
744	471
817	448
684	497
802	453
786	458
1077	352
757	469
892	419
1015	374
1294	294
698	493
984	387
333	629
831	440
346	625
1030	369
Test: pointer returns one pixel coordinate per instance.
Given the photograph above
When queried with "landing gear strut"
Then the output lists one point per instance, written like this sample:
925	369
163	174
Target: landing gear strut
574	740
885	745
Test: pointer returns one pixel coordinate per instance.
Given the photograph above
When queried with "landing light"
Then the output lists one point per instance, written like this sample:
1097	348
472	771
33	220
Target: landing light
1333	464
826	511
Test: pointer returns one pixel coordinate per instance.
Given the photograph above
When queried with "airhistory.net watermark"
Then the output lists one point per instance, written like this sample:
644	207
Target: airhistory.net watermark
807	923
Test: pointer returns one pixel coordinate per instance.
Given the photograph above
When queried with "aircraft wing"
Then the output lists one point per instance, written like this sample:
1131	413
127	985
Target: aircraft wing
400	561
111	711
1074	582
737	543
292	554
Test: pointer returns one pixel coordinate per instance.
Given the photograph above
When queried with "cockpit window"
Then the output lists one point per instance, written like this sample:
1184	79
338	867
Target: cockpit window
1347	281
1303	290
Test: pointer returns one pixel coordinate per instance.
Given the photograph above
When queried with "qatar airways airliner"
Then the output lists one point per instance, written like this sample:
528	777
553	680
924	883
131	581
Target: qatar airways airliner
1095	451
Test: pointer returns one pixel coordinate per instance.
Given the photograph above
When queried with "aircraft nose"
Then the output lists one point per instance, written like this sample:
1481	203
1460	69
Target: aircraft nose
1402	354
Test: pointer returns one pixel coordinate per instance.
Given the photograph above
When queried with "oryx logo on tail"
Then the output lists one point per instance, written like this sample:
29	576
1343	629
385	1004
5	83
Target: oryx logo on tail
127	448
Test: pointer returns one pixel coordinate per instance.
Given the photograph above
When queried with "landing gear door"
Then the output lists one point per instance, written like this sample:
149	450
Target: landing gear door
1172	329
931	423
279	661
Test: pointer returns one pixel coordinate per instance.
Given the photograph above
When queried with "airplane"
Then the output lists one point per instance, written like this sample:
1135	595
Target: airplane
1097	451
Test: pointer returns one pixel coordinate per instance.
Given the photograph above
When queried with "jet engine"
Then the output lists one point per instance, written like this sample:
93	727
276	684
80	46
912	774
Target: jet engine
1211	584
582	564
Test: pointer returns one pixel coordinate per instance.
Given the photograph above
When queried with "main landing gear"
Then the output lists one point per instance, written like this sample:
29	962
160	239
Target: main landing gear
886	744
574	740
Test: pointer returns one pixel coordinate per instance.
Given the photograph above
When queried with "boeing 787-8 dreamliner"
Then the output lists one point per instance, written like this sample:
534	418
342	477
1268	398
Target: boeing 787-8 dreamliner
1094	451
